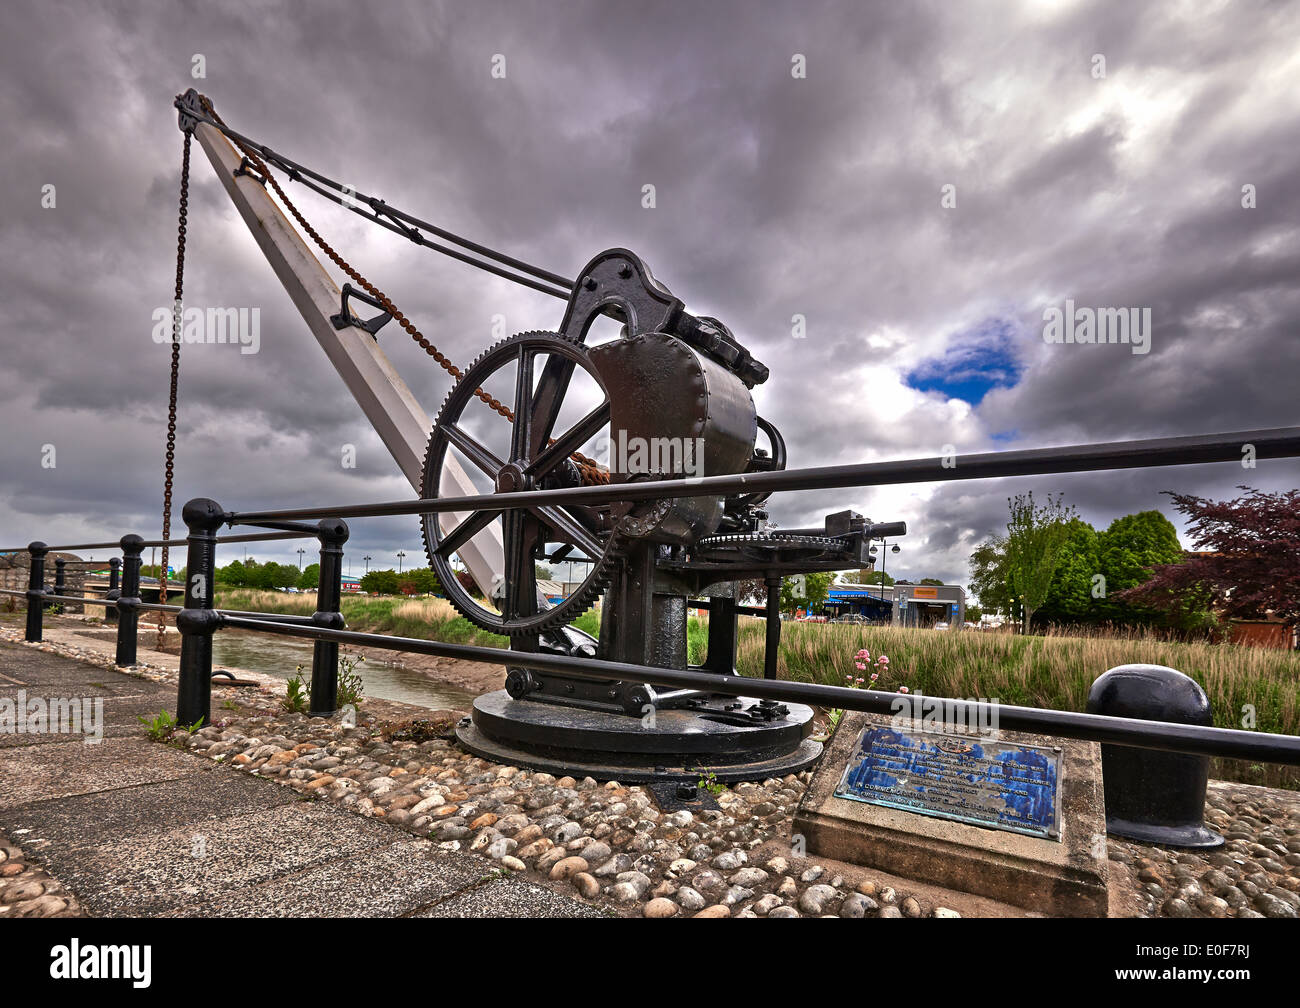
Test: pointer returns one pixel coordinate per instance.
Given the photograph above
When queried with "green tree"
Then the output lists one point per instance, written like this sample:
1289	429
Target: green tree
806	591
425	581
990	580
867	577
309	579
1070	597
1036	534
1129	549
542	572
382	581
233	574
930	581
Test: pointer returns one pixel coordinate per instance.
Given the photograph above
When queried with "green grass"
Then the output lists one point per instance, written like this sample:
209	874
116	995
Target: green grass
1051	671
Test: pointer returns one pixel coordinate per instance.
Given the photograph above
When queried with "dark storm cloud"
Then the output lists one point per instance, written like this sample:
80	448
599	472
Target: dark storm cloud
775	197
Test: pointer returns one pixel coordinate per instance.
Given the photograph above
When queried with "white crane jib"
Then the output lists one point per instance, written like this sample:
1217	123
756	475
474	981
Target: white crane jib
370	377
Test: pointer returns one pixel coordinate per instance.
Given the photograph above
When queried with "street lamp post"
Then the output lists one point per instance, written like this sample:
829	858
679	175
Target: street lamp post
367	560
885	550
301	551
400	554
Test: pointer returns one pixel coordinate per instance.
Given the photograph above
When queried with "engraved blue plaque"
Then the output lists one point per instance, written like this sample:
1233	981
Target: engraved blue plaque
967	778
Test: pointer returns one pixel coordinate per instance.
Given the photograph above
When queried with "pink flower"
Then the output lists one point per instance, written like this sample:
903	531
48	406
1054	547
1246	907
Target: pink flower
902	689
882	660
860	666
875	676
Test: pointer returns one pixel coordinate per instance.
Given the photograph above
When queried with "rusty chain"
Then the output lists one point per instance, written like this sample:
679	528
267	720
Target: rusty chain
591	471
182	214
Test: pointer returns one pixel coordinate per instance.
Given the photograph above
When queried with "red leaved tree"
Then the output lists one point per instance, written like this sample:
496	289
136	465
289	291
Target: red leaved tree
1249	564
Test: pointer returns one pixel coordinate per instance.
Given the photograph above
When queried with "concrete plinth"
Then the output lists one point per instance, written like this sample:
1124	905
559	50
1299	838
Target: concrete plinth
1066	877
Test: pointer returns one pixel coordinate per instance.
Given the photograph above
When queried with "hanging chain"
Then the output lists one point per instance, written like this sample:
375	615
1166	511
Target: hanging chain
183	214
591	470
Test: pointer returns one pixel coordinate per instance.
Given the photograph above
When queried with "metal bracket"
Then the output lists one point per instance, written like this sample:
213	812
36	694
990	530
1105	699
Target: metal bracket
245	168
345	318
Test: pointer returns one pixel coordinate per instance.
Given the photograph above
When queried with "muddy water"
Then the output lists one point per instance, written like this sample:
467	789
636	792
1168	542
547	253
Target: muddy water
280	657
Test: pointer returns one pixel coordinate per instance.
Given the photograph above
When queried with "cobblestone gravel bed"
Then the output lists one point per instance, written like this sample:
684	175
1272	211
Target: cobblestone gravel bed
1256	873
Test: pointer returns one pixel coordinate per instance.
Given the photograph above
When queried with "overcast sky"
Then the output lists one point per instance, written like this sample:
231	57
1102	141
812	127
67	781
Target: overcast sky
1096	152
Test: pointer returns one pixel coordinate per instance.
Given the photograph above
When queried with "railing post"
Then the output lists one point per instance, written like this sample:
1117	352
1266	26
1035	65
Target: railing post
114	588
60	579
772	647
720	657
197	621
35	591
128	616
332	533
1154	797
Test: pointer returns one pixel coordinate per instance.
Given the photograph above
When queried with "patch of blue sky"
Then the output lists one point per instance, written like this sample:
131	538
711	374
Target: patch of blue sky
976	361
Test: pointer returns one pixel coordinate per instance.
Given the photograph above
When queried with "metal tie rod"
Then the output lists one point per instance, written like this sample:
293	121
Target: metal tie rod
1230	743
1280	442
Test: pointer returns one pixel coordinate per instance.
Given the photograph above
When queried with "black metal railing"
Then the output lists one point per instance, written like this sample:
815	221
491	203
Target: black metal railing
198	619
122	599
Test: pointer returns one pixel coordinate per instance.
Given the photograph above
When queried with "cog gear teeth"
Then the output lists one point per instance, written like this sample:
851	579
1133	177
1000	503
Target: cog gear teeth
774	540
598	578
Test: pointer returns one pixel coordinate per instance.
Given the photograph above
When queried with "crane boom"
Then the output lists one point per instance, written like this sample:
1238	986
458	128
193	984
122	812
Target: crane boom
369	375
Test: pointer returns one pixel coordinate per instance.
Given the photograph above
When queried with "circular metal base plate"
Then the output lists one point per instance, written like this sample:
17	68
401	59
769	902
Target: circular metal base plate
1191	836
676	745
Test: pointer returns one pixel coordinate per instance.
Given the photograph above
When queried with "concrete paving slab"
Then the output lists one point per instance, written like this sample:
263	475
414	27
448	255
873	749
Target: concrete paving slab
60	769
394	882
208	793
195	867
50	675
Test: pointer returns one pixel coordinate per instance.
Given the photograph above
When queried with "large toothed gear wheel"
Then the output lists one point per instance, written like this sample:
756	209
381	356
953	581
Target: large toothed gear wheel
526	466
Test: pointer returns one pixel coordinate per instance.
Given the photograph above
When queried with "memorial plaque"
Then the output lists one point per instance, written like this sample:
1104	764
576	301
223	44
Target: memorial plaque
971	779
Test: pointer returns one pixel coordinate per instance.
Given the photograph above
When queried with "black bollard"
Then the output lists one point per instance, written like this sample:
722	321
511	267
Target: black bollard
1154	797
198	621
332	533
128	616
35	590
114	588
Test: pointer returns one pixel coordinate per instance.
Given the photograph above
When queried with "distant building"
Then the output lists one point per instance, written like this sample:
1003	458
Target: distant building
926	605
903	605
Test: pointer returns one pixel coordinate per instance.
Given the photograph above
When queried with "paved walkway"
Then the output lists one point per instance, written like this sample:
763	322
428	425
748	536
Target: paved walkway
134	828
